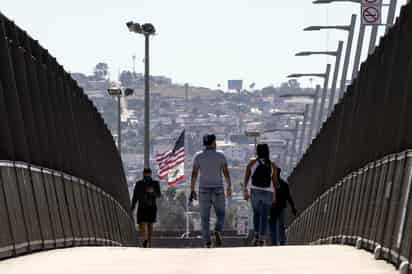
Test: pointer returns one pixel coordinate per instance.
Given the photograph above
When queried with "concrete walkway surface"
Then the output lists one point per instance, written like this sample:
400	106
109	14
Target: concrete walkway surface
261	260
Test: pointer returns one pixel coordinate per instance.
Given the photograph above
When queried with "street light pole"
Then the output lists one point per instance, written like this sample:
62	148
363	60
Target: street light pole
313	127
361	36
285	155
147	30
304	129
315	98
286	160
117	92
255	136
293	151
358	53
391	15
335	77
324	92
119	125
351	30
375	28
147	105
347	55
338	55
323	101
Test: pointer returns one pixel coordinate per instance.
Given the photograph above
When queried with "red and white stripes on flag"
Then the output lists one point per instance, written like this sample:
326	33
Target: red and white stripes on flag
171	163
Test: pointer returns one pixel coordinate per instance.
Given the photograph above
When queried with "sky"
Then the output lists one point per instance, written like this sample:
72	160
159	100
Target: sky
203	43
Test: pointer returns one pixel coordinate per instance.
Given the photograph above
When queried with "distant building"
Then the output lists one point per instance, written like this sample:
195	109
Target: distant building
233	152
235	85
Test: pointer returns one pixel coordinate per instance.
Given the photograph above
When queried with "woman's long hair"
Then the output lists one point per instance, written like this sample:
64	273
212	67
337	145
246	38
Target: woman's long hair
262	152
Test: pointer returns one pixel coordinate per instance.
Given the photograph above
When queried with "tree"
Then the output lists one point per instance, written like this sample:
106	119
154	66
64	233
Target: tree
101	70
294	84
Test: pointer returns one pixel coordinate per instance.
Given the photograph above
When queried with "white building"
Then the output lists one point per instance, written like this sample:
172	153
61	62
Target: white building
232	151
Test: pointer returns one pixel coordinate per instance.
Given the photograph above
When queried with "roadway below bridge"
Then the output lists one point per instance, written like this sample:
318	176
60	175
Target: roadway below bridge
111	260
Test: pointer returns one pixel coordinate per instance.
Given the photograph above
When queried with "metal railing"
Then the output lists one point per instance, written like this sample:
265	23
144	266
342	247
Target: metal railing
371	205
49	129
42	209
370	208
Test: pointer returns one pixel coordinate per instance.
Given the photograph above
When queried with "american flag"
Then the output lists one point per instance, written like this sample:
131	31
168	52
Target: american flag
171	164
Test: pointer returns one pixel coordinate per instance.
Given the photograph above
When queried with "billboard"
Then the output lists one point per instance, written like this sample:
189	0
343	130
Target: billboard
235	84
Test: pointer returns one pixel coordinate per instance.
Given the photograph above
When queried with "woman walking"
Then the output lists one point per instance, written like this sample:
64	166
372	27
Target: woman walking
146	192
262	173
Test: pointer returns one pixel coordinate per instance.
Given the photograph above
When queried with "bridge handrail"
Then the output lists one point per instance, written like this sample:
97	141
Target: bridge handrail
370	208
43	209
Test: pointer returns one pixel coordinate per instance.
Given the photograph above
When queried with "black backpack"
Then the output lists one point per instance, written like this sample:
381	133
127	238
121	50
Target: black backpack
262	176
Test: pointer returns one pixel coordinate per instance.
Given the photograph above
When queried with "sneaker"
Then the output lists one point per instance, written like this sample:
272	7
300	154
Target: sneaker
144	244
208	245
218	239
261	243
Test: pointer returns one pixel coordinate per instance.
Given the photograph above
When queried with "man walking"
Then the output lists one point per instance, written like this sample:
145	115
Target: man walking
146	191
211	164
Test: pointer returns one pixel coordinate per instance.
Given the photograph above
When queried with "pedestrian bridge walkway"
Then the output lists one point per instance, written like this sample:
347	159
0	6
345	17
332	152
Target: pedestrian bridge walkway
110	260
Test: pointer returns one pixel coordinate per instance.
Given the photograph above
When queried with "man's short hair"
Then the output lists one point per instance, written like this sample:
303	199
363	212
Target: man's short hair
147	170
208	139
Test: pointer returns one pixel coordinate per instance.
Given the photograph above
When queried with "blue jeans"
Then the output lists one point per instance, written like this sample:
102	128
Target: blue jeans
209	197
261	203
278	229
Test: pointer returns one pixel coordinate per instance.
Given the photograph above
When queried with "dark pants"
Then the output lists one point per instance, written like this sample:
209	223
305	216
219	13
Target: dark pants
278	228
261	203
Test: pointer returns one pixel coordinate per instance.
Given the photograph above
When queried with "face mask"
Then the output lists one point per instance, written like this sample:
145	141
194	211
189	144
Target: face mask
147	178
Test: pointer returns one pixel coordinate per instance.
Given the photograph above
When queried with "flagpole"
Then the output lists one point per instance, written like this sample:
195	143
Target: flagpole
187	194
184	169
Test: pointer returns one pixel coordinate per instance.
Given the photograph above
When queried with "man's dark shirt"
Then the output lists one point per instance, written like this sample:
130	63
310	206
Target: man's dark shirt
283	195
141	194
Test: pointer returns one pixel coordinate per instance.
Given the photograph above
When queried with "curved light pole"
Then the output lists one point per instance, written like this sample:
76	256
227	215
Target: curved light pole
338	55
351	30
147	30
255	135
298	138
288	162
372	42
117	92
324	92
302	137
361	36
314	97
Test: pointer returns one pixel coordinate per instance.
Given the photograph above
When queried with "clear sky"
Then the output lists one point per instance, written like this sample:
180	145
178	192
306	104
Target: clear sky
202	42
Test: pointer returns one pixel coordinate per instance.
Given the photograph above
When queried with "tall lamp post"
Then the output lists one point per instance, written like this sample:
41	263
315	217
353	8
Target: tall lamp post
295	133
117	92
338	55
324	92
255	135
390	20
147	30
292	97
283	163
351	29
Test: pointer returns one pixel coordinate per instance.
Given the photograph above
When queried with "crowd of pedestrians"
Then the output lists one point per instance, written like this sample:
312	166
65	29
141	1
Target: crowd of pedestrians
263	186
